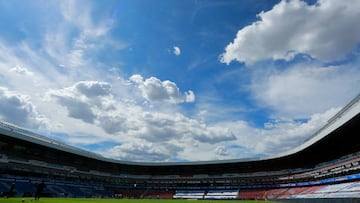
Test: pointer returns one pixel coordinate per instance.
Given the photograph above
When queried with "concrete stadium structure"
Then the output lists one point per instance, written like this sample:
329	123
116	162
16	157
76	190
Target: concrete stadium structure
329	158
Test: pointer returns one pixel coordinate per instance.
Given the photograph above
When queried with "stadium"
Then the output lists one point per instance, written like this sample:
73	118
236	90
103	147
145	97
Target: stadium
325	167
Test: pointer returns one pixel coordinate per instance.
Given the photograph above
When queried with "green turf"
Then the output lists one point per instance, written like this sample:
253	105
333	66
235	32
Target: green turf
82	200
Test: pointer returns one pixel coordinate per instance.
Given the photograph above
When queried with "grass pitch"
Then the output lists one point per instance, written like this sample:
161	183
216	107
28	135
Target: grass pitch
85	200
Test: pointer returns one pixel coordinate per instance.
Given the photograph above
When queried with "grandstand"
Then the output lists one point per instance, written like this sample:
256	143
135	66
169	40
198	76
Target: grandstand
327	165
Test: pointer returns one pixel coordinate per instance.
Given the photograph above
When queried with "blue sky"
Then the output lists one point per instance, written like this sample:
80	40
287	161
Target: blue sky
178	80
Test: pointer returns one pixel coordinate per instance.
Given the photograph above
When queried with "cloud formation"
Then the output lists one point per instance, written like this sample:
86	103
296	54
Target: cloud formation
22	71
83	99
18	108
155	90
93	88
52	73
286	135
95	103
144	151
176	51
304	90
325	31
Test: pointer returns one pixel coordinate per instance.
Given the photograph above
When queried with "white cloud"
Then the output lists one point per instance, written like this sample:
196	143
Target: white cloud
22	71
144	135
18	108
93	88
70	10
94	102
160	126
325	30
155	90
221	150
176	51
77	36
24	68
113	124
303	90
214	134
144	151
77	109
83	98
286	135
91	112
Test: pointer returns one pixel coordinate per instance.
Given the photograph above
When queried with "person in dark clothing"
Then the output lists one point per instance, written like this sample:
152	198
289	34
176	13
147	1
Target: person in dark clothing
39	190
11	190
10	193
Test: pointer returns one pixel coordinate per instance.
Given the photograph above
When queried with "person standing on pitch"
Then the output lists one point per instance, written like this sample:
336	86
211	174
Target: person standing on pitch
39	190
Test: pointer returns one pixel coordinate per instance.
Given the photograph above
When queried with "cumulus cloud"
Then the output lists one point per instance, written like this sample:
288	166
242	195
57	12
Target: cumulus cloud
146	135
300	91
144	151
168	127
286	135
215	134
176	51
324	31
113	124
93	88
80	99
154	136
18	109
155	90
281	135
77	108
93	102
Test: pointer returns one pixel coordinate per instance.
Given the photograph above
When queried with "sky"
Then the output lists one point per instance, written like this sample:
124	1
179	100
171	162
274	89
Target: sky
175	80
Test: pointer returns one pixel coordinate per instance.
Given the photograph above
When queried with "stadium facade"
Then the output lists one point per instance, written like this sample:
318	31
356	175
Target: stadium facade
327	165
